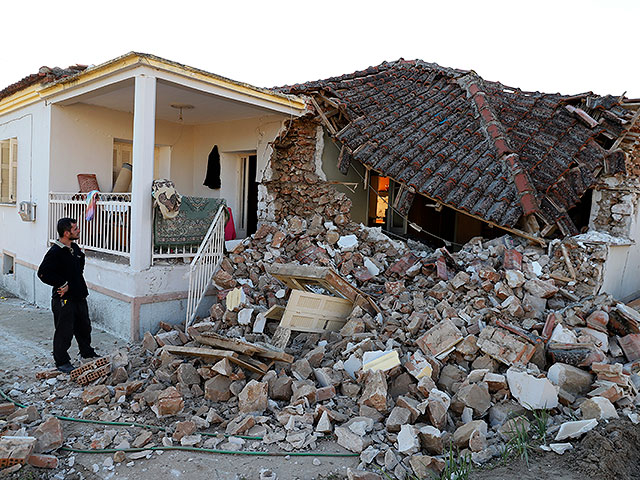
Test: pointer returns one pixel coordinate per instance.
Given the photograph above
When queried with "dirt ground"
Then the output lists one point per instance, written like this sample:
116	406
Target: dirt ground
608	452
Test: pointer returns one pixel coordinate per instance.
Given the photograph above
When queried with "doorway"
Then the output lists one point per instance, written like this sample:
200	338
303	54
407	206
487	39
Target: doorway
248	211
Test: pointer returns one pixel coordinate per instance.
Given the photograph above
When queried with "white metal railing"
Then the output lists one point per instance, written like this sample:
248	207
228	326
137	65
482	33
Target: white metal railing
110	229
174	251
205	263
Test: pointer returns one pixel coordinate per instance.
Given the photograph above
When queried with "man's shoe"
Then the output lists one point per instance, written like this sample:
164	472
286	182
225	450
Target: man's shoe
90	356
66	367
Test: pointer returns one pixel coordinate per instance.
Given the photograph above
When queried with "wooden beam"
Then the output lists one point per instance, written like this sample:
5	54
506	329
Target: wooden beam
323	117
329	101
215	340
208	353
632	122
549	229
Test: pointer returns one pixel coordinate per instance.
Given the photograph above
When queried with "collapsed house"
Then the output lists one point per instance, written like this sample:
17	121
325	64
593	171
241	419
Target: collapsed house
425	152
444	156
324	327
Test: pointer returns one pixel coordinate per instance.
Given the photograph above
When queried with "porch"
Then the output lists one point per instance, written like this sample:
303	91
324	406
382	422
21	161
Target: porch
109	231
163	119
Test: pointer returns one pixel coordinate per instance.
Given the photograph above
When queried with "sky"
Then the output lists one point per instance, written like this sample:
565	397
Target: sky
561	46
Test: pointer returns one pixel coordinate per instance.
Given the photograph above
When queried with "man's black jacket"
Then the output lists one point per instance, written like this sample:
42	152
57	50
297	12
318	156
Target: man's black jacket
64	265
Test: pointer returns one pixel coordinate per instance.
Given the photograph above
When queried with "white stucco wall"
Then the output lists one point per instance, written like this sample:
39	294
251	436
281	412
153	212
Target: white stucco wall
82	139
234	140
27	240
622	267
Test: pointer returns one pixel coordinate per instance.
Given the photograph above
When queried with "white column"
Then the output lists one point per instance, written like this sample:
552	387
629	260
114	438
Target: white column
144	128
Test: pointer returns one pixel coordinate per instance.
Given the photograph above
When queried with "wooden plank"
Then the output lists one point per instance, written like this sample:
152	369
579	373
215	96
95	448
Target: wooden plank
200	352
323	117
329	102
216	340
275	312
275	355
244	364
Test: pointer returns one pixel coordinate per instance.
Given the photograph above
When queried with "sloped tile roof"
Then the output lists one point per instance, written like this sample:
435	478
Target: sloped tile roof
480	147
44	75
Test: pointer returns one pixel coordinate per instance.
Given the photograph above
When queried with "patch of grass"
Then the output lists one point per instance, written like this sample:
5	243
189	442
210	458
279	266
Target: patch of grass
458	467
540	424
519	440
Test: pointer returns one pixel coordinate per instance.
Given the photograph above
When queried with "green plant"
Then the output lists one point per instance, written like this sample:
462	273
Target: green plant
458	467
540	424
519	441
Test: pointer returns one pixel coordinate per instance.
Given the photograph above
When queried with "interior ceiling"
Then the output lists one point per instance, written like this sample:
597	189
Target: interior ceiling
208	108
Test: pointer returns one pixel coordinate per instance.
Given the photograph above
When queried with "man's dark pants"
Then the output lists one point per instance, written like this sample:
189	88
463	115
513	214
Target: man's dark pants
70	317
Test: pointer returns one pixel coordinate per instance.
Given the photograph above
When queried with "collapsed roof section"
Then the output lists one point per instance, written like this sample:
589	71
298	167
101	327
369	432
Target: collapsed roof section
479	147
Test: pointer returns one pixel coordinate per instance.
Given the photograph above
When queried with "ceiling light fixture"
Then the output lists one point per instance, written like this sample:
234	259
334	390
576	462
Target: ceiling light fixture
180	107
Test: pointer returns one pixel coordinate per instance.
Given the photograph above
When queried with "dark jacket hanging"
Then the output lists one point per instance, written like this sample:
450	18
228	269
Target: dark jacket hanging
212	179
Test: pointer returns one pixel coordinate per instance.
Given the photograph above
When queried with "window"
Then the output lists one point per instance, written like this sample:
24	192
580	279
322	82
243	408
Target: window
8	263
8	170
383	192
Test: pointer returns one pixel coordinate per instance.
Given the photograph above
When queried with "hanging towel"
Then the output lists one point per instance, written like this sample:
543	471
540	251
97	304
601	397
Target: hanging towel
92	198
212	179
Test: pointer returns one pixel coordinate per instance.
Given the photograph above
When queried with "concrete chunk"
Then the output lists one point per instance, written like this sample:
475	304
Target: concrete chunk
599	408
575	429
569	378
532	393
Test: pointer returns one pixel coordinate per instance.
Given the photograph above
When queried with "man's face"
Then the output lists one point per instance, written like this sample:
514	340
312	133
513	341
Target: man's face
74	233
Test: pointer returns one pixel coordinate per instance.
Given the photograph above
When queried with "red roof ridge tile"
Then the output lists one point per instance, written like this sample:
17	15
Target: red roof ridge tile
495	132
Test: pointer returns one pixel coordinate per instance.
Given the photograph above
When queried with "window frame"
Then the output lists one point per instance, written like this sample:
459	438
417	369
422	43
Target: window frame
12	168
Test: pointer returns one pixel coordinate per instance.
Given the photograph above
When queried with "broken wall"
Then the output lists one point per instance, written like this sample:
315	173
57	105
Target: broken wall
356	174
615	211
294	183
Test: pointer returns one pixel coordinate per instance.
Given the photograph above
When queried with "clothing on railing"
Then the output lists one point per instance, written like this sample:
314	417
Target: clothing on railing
92	199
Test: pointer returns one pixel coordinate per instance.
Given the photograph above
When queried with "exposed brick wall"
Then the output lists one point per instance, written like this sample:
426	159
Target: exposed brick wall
295	187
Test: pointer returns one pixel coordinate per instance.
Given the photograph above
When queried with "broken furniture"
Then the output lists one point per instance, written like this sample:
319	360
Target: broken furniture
321	300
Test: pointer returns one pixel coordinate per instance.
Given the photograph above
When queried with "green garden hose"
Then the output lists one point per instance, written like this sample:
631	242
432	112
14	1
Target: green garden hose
190	449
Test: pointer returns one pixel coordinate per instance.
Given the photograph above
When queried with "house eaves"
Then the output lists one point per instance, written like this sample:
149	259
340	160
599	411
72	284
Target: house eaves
67	85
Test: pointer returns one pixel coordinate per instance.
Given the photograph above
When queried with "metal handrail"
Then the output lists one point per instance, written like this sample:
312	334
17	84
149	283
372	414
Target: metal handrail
204	264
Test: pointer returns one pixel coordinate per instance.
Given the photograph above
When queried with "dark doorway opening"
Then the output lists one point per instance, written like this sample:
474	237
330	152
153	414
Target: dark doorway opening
252	196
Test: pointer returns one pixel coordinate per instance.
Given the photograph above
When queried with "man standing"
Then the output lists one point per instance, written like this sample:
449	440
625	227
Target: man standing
62	268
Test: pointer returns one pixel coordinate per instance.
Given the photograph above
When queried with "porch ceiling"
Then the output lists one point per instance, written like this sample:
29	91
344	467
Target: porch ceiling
208	108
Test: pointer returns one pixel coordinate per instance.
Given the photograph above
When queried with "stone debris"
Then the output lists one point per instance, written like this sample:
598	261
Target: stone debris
575	429
435	349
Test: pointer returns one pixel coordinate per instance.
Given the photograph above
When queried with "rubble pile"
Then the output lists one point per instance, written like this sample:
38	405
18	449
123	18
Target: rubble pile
448	349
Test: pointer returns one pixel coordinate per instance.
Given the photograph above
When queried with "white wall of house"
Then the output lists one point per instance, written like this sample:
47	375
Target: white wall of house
235	140
622	268
26	242
82	142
